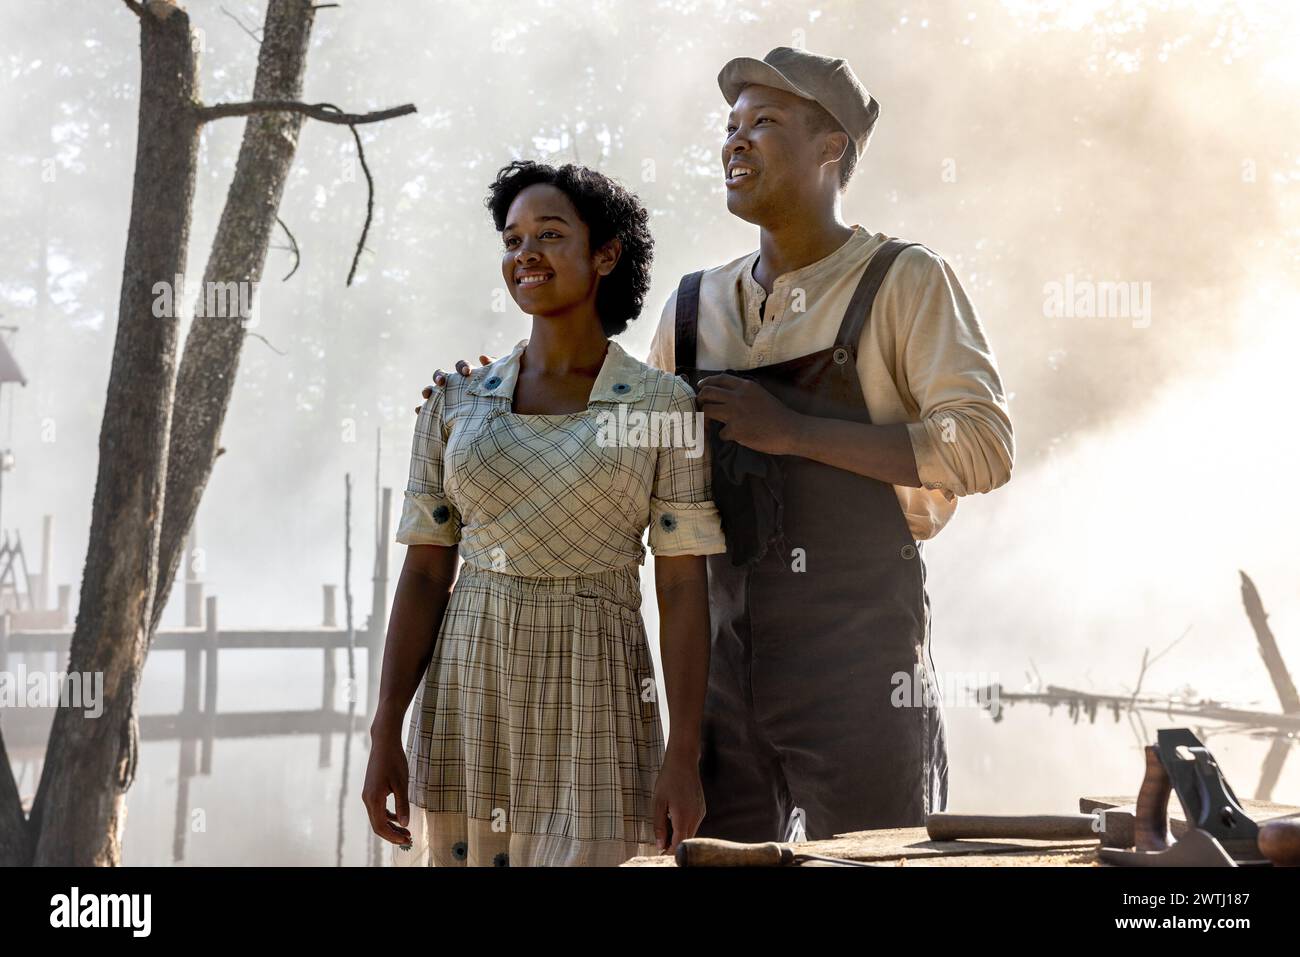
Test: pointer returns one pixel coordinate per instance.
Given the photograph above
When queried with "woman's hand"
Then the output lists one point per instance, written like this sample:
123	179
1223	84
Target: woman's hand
440	377
682	588
678	800
386	773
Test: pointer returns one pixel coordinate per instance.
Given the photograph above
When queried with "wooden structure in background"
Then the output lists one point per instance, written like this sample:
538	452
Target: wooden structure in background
199	723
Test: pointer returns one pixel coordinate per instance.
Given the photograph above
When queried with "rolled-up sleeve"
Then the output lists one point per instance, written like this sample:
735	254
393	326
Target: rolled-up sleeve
963	442
683	517
428	516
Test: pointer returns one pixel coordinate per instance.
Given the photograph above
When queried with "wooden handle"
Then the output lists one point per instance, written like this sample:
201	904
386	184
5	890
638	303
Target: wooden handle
1279	841
1151	818
708	852
1042	827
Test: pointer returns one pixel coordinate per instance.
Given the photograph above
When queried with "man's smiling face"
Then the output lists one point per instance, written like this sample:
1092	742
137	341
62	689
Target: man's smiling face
770	158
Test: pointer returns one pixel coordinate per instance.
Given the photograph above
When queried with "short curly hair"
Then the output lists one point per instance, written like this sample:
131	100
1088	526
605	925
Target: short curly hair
610	212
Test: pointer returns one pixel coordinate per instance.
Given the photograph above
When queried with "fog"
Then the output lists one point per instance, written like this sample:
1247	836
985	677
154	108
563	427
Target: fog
1030	144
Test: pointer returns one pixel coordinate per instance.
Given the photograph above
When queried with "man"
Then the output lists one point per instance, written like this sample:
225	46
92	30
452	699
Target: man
852	397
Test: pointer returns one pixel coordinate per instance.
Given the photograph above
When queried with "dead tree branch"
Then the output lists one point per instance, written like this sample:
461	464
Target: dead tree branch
258	335
370	205
1268	650
297	256
1148	661
325	112
242	26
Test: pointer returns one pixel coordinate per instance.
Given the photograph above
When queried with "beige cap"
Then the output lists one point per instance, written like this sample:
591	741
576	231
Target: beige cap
829	82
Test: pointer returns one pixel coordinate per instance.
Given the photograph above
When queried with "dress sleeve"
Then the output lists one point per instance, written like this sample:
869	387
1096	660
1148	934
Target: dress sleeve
428	516
683	518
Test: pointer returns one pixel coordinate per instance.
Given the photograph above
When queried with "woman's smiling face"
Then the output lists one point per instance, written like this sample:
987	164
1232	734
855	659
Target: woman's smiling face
547	261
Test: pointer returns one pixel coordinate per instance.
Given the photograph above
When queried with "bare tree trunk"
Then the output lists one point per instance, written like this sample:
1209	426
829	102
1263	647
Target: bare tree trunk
80	808
15	836
210	359
146	493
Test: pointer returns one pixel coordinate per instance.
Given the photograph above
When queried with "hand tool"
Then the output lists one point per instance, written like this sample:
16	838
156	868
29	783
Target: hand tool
945	826
1220	833
710	852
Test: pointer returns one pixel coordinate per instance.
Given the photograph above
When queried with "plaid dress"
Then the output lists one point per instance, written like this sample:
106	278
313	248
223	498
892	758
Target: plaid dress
535	738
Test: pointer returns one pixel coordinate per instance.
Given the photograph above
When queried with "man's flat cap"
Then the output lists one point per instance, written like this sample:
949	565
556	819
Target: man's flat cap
829	82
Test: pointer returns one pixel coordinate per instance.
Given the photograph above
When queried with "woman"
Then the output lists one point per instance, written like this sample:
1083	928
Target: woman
536	739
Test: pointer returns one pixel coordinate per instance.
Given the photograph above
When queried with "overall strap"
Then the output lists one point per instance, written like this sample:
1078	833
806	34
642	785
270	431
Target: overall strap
864	297
688	314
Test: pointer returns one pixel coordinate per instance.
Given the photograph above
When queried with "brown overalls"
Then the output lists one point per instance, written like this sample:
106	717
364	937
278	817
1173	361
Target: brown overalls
820	621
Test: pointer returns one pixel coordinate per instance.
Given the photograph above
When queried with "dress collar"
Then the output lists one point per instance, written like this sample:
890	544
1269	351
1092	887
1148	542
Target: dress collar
621	377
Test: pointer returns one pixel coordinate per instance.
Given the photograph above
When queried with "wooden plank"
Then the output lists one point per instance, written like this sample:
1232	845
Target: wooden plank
1119	820
58	642
911	844
1076	857
28	728
1060	857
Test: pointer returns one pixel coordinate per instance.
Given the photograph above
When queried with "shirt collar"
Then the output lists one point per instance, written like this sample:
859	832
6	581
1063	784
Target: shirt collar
849	250
621	377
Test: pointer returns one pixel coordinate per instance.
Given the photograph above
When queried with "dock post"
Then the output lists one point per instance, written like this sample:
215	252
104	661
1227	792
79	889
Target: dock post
193	587
211	649
188	729
190	695
329	619
378	626
329	682
47	563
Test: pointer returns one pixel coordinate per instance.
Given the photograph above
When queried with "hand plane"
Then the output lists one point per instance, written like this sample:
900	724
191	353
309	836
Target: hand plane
1219	832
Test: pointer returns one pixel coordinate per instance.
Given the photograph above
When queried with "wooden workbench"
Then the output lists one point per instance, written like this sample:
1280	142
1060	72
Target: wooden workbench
912	847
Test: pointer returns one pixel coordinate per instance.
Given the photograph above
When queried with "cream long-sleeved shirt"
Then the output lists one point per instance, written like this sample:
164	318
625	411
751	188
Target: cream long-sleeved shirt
923	359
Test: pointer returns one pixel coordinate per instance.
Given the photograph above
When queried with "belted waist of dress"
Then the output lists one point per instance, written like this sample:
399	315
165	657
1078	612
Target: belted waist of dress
619	585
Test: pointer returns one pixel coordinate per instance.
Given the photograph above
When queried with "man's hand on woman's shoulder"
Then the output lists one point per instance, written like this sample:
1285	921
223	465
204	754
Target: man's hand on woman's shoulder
440	377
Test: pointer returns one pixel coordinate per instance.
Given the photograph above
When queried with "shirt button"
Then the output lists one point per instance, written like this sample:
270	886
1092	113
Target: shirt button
493	382
621	387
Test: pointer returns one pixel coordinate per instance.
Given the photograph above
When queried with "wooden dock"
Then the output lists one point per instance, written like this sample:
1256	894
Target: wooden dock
199	724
